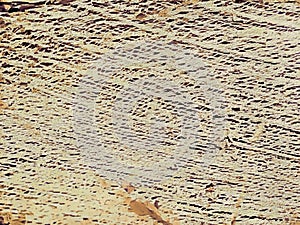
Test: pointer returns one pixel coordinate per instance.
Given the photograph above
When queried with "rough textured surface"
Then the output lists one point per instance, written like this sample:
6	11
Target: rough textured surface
250	48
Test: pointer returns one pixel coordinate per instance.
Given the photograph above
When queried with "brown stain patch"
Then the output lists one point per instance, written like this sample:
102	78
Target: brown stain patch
187	2
128	187
295	223
147	209
2	25
141	16
164	13
86	222
7	218
65	2
3	105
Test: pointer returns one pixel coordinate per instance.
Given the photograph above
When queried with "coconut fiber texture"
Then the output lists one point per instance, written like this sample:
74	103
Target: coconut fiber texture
149	112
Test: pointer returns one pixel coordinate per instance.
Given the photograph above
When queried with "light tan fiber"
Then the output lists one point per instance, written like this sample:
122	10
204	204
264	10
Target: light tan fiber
86	139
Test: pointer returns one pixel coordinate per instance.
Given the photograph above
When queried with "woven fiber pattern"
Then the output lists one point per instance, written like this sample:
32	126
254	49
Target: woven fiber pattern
149	112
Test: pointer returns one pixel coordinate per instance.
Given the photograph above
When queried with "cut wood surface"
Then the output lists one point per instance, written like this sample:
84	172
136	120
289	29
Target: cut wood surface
251	49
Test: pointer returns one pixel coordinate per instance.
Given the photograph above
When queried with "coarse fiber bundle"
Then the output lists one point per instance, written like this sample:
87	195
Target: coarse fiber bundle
149	112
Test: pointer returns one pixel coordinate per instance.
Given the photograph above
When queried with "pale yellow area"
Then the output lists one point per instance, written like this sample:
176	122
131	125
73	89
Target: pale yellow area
253	177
